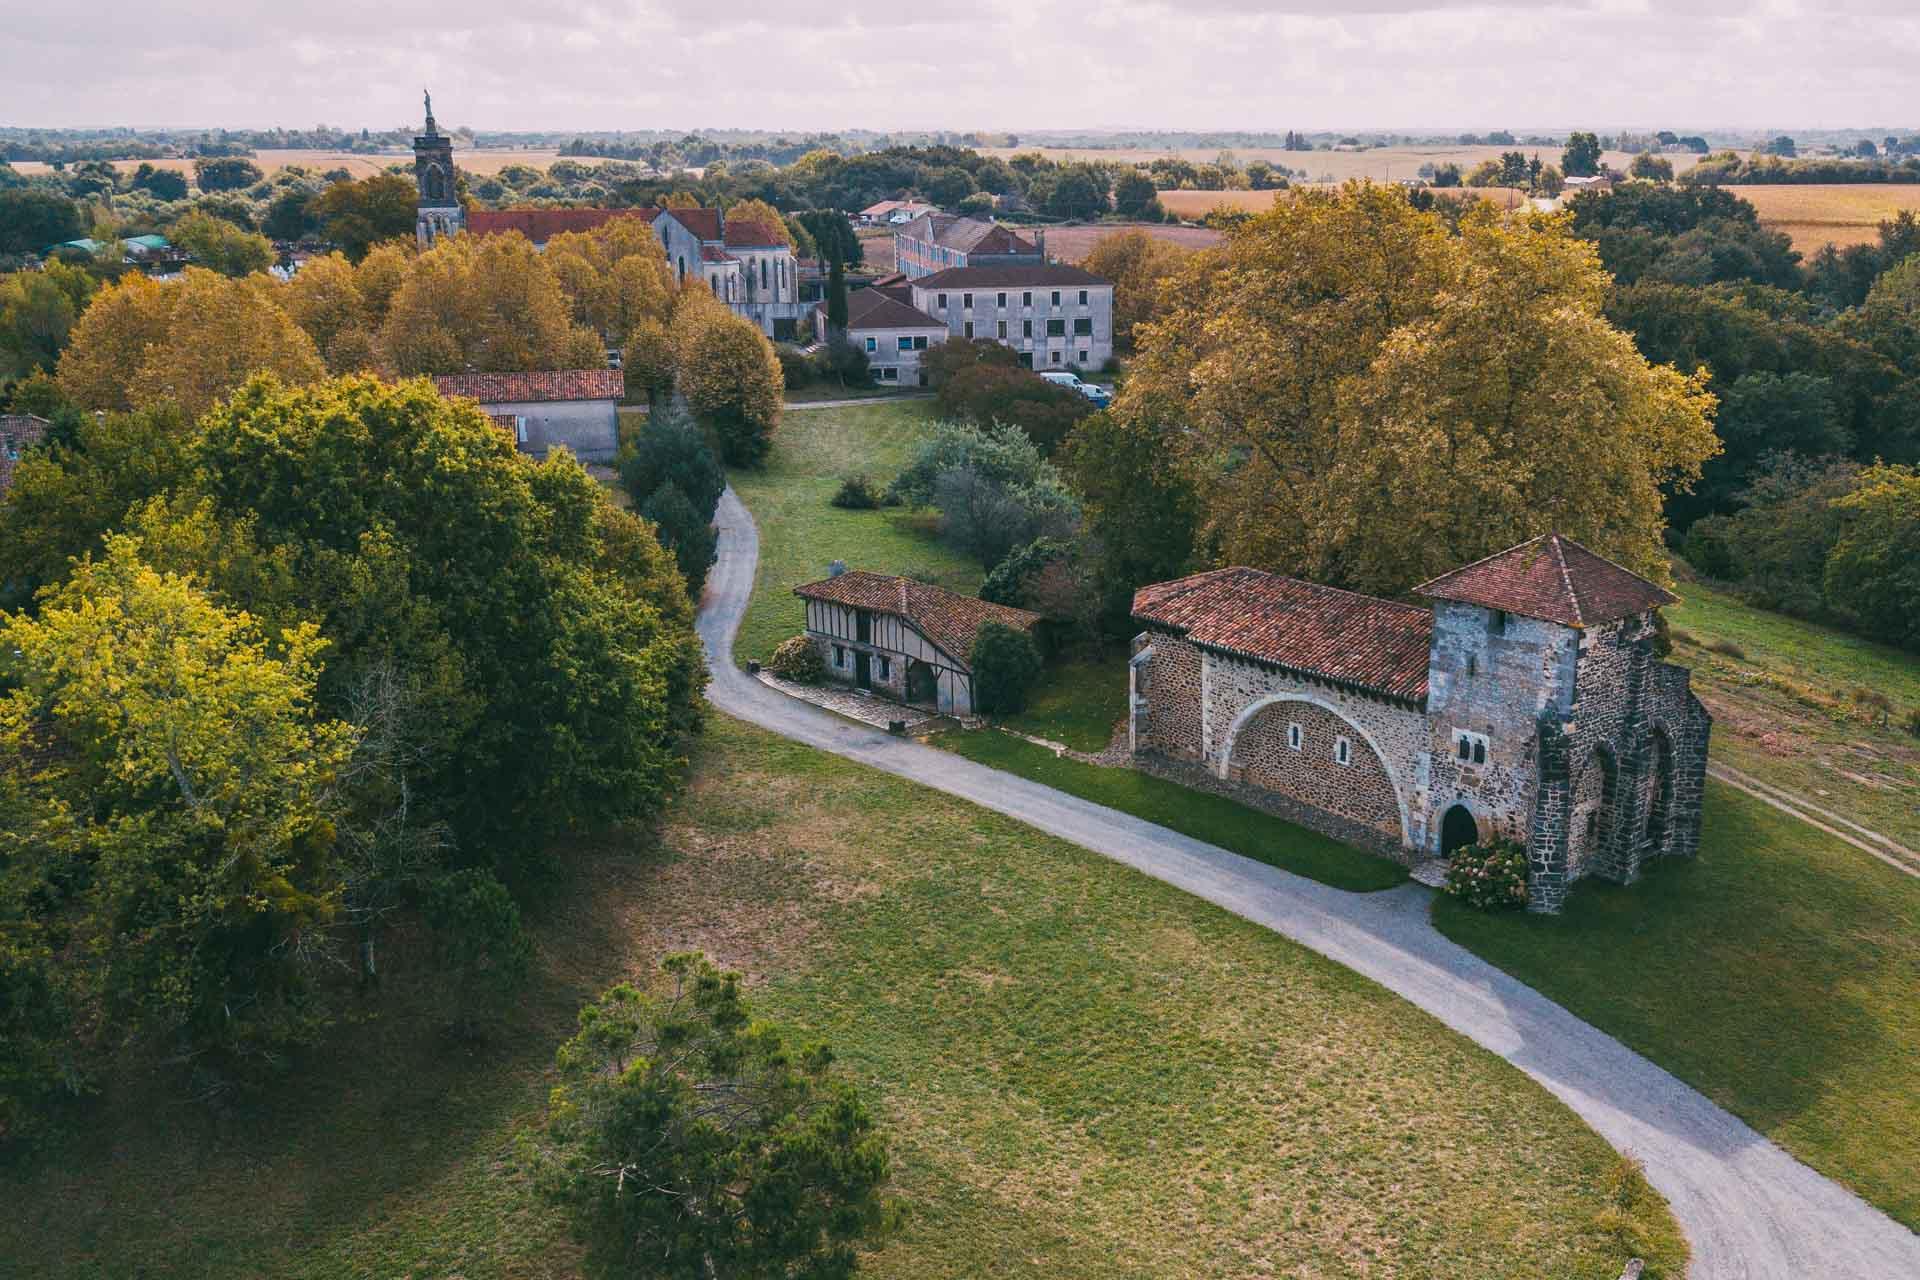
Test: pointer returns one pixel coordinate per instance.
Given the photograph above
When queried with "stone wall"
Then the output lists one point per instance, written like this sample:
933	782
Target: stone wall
1295	748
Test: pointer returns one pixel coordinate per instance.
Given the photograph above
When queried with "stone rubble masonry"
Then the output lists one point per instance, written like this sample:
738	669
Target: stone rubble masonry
1593	751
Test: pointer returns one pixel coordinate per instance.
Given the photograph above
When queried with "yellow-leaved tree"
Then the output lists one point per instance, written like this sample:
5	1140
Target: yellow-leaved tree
729	374
189	343
614	276
763	213
486	303
1357	397
324	299
1138	263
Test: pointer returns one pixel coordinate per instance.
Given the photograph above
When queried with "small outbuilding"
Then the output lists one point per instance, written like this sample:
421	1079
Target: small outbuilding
903	639
578	408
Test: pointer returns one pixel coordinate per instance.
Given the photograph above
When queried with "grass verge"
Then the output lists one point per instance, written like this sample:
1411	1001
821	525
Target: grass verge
1078	702
1776	973
1211	818
801	532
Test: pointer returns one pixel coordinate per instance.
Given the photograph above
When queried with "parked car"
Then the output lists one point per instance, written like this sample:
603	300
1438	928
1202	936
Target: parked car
1100	396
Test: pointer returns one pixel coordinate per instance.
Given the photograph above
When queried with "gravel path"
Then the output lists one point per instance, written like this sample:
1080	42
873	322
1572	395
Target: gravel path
1749	1210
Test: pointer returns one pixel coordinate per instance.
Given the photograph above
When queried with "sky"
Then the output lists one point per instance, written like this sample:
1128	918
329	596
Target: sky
1406	65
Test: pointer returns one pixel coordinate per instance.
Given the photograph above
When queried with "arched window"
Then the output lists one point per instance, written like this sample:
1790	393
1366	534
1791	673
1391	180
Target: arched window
683	267
763	273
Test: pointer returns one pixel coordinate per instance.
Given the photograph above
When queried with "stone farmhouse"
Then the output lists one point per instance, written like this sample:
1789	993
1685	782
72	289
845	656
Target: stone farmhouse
1053	315
578	408
743	262
937	241
901	638
1528	702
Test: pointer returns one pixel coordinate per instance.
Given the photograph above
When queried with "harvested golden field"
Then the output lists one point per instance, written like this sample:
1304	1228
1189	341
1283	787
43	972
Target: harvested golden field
1197	204
360	166
1383	164
1839	213
1071	244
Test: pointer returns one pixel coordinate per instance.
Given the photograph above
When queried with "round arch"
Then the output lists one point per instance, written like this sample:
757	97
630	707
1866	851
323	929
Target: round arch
1258	705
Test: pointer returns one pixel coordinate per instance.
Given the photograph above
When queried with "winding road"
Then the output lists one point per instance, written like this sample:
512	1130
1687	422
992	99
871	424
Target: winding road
1749	1210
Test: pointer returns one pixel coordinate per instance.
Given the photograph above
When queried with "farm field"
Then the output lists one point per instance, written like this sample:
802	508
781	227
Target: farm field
1841	214
1383	164
1197	204
1068	243
360	166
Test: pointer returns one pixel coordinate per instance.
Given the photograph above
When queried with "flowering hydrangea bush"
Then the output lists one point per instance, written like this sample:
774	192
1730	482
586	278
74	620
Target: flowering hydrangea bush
798	659
1491	876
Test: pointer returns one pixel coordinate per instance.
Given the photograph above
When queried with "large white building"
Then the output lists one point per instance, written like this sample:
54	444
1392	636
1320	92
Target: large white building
1055	316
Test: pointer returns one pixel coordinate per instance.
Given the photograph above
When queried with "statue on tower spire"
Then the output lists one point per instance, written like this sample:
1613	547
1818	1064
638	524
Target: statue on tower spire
429	98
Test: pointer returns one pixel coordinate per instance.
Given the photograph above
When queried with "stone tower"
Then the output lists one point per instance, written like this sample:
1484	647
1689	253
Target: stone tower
437	206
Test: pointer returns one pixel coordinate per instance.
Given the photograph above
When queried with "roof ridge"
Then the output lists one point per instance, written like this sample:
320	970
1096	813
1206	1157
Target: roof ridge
1566	578
1462	568
1321	586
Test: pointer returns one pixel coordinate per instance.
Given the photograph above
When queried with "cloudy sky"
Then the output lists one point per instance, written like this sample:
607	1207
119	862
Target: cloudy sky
989	64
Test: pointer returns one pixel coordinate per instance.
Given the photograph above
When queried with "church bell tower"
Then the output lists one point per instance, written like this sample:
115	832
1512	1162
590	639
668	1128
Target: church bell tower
437	207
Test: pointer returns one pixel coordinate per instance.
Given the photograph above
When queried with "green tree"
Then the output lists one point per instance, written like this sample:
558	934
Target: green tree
683	531
31	219
1873	572
38	310
290	216
1134	195
1651	167
192	813
688	1140
836	296
220	246
1080	191
1006	666
726	369
1423	399
946	186
1137	263
356	215
671	449
484	951
225	173
1581	159
1139	516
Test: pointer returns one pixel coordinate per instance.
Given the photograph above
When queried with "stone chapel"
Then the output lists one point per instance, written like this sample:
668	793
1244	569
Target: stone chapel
1529	701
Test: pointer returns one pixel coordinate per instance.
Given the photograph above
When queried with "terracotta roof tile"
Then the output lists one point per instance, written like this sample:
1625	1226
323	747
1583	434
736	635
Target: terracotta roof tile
944	617
528	388
1015	275
742	234
1355	640
541	225
714	253
881	309
1552	578
703	223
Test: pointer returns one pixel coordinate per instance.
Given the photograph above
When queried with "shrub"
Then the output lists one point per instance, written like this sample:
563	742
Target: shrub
796	369
1873	572
1491	875
1727	648
1006	666
1019	397
1009	580
798	659
847	362
857	493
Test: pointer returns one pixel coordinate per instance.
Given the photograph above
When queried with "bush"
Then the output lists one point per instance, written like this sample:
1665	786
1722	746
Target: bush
857	493
1728	649
796	368
1491	876
1006	666
847	362
798	659
1018	397
1009	580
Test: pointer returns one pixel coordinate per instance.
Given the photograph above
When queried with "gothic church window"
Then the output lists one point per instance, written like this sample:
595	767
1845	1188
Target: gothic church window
1342	751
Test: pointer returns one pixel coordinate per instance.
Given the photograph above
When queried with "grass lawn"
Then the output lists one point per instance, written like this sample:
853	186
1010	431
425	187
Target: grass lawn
1784	708
1078	703
1086	1074
834	391
1777	974
801	534
1212	818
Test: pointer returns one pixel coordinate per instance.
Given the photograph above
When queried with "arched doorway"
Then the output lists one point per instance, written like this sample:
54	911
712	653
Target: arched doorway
923	683
1591	833
1660	792
1457	830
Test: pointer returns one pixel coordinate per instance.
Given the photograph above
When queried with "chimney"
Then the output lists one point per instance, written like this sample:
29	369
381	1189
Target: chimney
837	568
1040	242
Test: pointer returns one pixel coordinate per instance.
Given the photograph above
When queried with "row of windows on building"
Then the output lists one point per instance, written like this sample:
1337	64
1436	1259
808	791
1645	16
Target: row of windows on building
1342	747
882	664
1082	328
1000	300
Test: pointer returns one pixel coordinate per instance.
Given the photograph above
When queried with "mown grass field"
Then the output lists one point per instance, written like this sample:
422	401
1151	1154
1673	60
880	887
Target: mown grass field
801	533
1784	696
1776	973
1086	1074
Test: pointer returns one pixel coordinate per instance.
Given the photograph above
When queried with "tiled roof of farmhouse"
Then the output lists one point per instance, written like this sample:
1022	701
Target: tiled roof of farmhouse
527	388
17	431
876	309
714	253
1552	578
703	223
541	225
1016	275
1350	639
743	234
947	619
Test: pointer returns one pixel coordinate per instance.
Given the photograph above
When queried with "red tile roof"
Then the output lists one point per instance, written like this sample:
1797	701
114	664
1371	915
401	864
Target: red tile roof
530	388
1552	578
714	253
1355	640
751	235
1014	275
541	225
880	309
703	223
944	617
18	431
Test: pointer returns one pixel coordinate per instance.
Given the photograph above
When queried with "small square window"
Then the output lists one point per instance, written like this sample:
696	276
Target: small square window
920	343
1083	326
1499	623
1056	297
890	374
1053	357
1056	328
1000	300
1026	299
1479	753
940	300
873	344
966	302
904	344
1342	751
885	665
1026	328
840	656
1003	328
1083	297
1466	749
1293	736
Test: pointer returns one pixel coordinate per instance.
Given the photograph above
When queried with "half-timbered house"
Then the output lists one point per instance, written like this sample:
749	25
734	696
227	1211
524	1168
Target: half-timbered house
902	639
